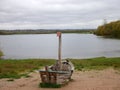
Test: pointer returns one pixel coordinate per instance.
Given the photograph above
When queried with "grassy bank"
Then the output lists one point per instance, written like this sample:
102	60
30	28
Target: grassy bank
96	63
18	68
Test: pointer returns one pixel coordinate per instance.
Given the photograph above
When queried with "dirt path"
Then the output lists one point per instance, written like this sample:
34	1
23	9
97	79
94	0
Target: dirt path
108	79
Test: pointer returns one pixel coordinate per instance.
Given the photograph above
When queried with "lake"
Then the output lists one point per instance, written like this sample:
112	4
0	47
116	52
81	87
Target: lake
46	46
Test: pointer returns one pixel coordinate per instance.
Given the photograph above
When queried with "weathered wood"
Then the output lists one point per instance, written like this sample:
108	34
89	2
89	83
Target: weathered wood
59	49
55	77
44	77
51	75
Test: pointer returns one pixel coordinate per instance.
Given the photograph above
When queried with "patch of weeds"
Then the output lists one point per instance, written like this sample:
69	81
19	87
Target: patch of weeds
25	75
79	67
10	80
71	80
49	85
91	76
96	67
9	75
117	72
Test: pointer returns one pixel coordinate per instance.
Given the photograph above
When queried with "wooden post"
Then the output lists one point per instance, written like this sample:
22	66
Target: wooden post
60	51
59	48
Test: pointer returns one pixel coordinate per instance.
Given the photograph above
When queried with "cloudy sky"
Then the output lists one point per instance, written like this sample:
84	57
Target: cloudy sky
57	14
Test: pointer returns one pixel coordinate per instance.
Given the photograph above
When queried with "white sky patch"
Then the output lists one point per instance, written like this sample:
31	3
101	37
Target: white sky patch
57	14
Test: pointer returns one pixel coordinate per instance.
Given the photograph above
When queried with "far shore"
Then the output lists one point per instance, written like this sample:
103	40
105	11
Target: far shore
45	31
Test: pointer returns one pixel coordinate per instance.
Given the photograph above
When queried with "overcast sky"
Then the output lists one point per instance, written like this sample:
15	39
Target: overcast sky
57	14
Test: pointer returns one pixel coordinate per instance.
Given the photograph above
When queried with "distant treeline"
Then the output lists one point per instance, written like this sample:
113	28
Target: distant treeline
111	29
44	31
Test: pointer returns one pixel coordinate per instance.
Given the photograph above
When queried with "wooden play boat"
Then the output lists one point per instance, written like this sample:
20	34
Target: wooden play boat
60	72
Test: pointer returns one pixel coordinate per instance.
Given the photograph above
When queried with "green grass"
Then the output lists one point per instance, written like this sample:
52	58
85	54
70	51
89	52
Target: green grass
49	85
18	68
96	63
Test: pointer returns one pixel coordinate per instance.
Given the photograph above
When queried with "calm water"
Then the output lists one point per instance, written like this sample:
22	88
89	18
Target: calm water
46	46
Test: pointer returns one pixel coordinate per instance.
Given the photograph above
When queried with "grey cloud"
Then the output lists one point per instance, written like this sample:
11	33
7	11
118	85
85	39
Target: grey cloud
15	14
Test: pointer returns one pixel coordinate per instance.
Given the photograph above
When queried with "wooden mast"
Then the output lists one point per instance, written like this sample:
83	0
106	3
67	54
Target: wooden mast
59	48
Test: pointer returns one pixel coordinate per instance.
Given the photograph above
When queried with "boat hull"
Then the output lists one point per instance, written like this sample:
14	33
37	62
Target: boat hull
53	75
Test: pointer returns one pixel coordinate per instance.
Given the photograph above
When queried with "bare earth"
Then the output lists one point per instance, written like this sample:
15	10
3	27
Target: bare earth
108	79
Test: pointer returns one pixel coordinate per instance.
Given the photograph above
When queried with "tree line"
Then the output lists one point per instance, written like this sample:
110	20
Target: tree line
111	29
44	31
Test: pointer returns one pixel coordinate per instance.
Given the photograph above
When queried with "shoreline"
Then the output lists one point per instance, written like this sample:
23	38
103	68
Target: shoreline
90	74
12	68
107	79
56	58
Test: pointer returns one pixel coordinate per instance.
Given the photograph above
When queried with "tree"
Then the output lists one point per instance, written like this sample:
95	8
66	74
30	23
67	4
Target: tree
111	29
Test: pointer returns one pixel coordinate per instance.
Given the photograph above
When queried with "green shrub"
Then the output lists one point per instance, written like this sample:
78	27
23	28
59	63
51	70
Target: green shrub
49	85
